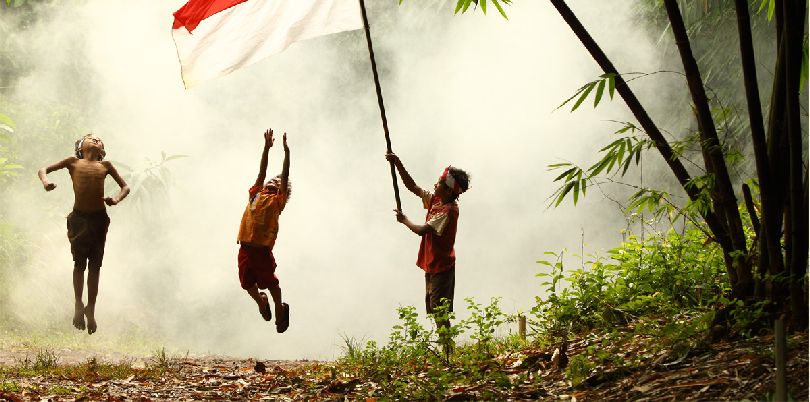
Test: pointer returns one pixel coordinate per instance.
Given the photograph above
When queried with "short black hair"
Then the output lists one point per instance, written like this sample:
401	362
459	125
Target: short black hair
461	177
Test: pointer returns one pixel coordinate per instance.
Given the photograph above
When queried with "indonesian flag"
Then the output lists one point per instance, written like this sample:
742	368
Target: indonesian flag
216	37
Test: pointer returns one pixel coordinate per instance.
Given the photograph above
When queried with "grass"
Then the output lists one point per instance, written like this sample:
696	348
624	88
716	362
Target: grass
46	364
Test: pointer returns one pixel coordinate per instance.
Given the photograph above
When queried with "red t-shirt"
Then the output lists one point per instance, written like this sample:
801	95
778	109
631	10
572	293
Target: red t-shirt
436	252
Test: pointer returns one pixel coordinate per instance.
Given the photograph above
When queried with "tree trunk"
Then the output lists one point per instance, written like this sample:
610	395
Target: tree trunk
723	198
663	146
796	237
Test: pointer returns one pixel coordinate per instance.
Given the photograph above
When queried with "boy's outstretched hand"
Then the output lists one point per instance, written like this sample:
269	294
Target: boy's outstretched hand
268	138
400	216
49	186
392	157
284	142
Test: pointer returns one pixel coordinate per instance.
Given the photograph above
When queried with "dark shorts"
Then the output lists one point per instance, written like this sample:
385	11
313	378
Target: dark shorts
257	266
439	286
87	232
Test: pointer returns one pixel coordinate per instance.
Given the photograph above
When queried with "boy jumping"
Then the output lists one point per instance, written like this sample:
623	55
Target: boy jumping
88	223
257	235
436	255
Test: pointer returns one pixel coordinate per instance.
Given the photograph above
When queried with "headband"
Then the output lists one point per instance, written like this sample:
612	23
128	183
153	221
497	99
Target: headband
80	154
450	181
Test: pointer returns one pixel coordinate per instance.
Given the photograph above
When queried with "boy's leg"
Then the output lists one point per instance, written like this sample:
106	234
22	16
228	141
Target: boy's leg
282	309
78	290
440	290
92	292
275	292
261	300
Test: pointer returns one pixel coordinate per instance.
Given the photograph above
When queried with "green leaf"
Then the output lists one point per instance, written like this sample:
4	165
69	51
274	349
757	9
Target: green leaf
599	90
466	6
588	89
483	4
6	121
175	157
565	173
565	191
611	84
458	6
500	9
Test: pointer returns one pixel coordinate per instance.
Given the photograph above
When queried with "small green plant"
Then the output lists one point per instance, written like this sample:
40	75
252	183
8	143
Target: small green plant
578	370
45	359
10	387
162	362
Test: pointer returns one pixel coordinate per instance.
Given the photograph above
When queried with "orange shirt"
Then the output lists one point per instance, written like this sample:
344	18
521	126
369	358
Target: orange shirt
436	253
260	220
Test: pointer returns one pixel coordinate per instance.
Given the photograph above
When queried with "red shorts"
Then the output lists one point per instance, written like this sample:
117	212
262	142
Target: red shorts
257	266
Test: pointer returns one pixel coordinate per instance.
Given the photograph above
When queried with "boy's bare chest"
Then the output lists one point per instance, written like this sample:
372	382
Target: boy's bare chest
88	174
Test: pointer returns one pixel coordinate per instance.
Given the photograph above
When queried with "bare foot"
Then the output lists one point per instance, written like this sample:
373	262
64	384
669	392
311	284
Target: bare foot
78	316
264	307
90	313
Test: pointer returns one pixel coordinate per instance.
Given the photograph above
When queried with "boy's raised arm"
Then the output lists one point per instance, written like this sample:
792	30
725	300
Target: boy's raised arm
407	180
121	183
268	143
285	169
43	173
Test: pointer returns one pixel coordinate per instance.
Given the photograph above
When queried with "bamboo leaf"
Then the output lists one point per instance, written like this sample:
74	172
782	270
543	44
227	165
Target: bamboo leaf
599	90
565	191
7	122
576	192
584	95
175	157
500	9
566	173
483	4
582	88
459	4
466	6
611	84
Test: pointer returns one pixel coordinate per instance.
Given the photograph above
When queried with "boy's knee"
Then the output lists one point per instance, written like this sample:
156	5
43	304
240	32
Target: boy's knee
94	267
79	266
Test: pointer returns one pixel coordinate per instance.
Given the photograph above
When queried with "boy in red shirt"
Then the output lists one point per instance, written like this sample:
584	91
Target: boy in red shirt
436	255
257	235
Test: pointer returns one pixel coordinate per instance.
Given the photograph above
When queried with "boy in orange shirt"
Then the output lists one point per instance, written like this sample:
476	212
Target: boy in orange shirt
257	235
88	223
436	254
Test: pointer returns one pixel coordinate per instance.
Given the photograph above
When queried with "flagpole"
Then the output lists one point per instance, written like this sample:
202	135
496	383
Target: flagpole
380	100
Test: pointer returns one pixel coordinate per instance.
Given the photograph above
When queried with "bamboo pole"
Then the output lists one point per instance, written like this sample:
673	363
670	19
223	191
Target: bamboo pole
380	101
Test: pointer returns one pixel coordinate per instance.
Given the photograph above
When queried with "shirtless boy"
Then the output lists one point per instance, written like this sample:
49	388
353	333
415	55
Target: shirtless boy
87	224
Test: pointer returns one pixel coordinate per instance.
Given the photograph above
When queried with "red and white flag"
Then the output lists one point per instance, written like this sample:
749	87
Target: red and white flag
216	37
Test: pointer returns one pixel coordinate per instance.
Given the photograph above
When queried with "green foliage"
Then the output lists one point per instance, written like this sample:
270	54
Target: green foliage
607	79
423	363
463	5
149	183
617	158
662	274
770	5
579	369
7	167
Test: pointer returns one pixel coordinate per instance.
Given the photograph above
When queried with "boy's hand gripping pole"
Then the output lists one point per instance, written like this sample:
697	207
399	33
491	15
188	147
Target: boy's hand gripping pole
380	101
